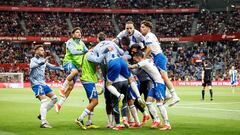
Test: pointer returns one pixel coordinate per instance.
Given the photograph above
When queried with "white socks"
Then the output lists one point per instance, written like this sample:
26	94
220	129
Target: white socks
84	114
113	90
173	93
128	113
163	112
62	100
43	110
135	88
134	114
110	118
65	85
153	111
90	115
52	102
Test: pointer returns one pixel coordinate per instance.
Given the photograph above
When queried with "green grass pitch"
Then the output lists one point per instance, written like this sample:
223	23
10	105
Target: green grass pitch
19	108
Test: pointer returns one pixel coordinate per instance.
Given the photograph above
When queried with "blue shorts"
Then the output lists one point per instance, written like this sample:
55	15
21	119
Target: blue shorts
131	93
160	61
68	67
116	67
40	90
158	91
90	89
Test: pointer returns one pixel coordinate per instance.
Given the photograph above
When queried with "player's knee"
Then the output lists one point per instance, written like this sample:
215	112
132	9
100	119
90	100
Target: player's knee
54	99
44	100
108	83
74	71
160	103
130	102
95	102
131	79
148	103
70	87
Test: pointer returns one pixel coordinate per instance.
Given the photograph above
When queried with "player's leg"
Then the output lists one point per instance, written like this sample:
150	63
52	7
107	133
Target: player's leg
120	112
152	109
109	107
116	113
68	84
160	94
93	101
127	74
40	93
233	85
63	98
164	114
92	95
161	62
210	90
72	71
53	98
145	86
113	72
134	113
203	90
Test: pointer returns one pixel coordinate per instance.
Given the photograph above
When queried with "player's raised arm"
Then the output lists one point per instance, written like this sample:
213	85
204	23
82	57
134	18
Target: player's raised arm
34	63
53	67
133	66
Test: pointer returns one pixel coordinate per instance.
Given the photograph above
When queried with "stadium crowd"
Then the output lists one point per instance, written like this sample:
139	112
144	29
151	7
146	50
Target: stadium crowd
10	24
103	3
167	25
174	25
183	64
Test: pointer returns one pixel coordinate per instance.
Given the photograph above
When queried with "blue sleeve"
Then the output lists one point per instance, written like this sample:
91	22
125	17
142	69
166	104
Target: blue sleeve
94	58
53	67
35	63
73	51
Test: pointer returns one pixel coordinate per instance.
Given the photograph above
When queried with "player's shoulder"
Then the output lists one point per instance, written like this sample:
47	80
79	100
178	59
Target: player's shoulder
34	58
137	33
122	34
149	35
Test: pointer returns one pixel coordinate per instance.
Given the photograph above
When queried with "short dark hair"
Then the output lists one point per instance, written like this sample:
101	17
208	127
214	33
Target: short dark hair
130	22
137	46
125	41
147	23
75	29
138	54
101	36
37	47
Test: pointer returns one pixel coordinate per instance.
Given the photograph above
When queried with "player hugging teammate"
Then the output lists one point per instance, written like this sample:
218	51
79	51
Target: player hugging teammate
132	64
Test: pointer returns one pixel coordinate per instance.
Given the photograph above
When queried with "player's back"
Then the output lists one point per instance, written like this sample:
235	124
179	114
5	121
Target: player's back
208	72
149	67
151	39
101	48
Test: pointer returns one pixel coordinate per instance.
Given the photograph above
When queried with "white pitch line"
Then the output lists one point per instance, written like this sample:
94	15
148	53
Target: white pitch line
212	109
211	103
